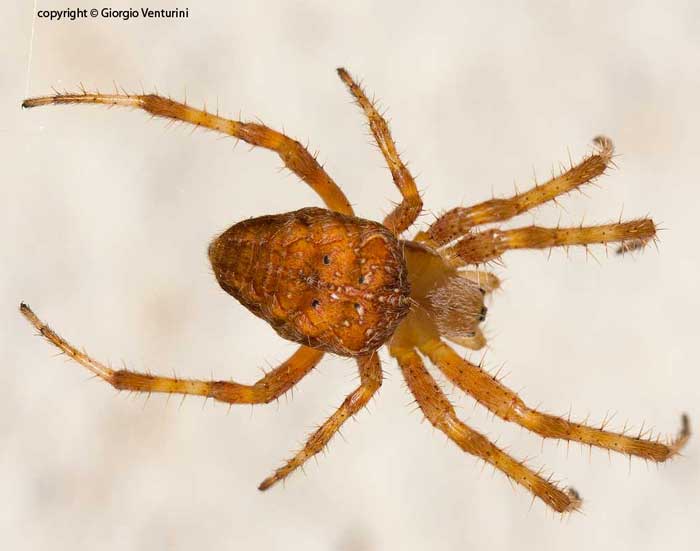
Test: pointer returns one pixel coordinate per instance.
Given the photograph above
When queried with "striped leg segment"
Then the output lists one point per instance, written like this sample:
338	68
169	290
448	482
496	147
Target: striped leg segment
505	403
438	410
479	247
295	157
405	214
461	220
370	381
271	386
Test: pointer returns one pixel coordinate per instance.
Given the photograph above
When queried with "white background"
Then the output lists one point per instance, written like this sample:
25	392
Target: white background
106	217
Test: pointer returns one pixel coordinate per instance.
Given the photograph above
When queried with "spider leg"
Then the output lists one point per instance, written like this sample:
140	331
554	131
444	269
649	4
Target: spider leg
505	403
295	157
460	220
441	414
370	380
476	248
271	386
405	214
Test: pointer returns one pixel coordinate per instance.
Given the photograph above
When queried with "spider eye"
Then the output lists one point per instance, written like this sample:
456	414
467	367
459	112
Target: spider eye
482	314
361	280
315	303
326	259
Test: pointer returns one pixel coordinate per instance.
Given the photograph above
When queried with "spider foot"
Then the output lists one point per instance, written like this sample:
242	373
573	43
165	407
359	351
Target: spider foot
575	500
604	147
683	435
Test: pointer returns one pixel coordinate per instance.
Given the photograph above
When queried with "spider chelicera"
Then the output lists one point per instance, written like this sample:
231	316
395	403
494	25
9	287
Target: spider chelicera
336	283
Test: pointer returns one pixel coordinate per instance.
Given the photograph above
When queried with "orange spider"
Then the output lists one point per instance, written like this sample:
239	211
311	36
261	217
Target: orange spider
333	282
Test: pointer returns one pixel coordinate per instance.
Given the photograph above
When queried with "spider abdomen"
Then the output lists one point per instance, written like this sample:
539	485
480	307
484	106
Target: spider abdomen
320	278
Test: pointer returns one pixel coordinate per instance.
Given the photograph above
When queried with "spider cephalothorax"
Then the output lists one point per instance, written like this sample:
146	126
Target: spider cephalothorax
337	283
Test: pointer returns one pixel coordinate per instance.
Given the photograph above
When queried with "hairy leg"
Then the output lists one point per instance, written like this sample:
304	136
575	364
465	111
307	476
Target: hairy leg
476	248
506	404
438	410
271	386
459	221
405	214
295	157
370	380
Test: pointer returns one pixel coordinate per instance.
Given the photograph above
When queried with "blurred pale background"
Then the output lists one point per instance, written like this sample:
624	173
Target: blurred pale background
106	217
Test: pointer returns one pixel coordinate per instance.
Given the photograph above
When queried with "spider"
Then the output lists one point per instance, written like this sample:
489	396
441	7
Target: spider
336	283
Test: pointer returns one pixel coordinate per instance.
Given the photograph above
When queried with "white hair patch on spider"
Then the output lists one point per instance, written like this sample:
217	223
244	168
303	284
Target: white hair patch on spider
457	307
